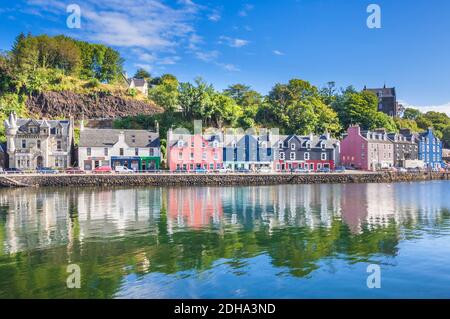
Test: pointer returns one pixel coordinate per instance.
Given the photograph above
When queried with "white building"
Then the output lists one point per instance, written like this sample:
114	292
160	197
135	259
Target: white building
139	84
135	149
39	143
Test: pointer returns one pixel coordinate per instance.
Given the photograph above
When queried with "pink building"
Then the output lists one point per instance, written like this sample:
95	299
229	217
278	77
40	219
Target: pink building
367	150
189	152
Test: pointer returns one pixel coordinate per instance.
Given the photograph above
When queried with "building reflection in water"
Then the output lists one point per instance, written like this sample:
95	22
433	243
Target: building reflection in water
39	218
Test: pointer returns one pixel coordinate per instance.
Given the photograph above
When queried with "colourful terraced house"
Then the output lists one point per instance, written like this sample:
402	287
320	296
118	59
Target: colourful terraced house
191	152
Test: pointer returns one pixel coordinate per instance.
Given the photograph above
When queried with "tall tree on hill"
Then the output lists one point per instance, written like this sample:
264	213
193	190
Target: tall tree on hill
142	74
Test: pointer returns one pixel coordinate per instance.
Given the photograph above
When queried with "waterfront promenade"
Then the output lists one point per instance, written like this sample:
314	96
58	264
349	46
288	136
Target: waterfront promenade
190	179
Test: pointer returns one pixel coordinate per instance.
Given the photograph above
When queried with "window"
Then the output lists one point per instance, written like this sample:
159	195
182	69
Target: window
280	145
204	156
180	155
88	151
216	156
211	166
58	145
24	144
121	151
192	144
105	151
180	143
136	151
292	156
38	144
215	144
306	156
203	144
323	156
292	146
282	156
191	166
192	156
151	152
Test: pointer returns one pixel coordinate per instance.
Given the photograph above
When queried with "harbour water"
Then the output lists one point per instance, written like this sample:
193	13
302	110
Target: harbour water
288	241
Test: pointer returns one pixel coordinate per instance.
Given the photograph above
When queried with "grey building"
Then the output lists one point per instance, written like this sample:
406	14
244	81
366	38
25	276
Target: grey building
405	148
39	143
387	100
312	151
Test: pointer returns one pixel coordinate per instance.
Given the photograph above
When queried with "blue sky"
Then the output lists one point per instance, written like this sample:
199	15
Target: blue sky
263	42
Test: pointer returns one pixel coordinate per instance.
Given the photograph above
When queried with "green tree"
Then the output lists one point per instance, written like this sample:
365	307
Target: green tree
411	114
166	94
142	74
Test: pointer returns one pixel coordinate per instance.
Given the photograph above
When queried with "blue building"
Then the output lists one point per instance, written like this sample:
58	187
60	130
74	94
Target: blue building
248	151
430	149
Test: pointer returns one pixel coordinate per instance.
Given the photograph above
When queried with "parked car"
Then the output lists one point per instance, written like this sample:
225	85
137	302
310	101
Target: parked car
46	170
14	171
264	169
75	170
300	170
324	170
223	170
200	170
103	170
123	170
242	170
340	169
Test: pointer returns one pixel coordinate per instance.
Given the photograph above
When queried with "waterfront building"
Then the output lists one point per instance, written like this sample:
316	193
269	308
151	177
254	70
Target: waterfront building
190	152
312	152
430	149
406	150
366	150
32	144
249	151
387	100
136	149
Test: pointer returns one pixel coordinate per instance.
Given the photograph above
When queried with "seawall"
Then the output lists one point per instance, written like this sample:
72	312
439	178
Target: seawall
62	180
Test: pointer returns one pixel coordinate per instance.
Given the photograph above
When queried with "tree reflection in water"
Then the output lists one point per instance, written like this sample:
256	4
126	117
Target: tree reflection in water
113	233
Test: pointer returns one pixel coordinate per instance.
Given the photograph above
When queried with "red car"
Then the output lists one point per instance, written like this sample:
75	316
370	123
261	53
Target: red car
75	170
103	170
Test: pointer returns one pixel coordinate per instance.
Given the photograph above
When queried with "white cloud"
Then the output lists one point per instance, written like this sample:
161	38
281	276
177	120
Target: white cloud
277	52
233	42
207	56
150	31
148	26
445	108
214	16
229	67
245	10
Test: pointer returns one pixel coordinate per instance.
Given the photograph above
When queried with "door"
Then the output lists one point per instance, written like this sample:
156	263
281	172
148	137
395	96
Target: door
40	162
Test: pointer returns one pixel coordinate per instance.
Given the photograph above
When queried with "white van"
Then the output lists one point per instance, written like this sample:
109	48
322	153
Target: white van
123	169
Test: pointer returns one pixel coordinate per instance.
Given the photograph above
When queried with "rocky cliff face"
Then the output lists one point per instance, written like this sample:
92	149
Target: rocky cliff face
93	105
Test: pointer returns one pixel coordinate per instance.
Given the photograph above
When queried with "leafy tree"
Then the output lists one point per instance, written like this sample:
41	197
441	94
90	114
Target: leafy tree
142	74
296	107
361	108
166	94
411	114
446	136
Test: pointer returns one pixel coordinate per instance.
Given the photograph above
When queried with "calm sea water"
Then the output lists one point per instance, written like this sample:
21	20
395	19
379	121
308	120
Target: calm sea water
296	241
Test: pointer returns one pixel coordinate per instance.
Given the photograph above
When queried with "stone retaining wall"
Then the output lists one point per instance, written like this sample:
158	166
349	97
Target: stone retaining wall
209	179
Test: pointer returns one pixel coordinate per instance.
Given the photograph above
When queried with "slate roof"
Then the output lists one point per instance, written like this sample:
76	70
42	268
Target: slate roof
138	82
385	91
23	124
109	137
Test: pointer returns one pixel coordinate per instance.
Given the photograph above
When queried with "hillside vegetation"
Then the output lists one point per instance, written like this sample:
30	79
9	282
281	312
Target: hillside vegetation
44	76
55	77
